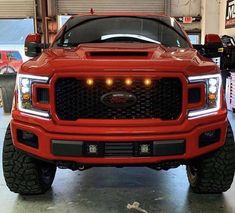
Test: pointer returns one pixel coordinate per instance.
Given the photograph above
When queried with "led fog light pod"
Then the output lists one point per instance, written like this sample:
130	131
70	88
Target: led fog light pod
92	149
144	148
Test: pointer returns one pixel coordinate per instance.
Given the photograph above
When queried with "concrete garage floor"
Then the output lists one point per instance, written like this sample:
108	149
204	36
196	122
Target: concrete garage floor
101	190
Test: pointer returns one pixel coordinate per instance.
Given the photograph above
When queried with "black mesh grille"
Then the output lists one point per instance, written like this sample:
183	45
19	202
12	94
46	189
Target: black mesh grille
75	99
118	149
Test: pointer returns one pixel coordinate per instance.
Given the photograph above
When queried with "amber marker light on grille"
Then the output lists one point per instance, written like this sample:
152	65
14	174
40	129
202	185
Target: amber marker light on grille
147	82
109	81
90	81
128	82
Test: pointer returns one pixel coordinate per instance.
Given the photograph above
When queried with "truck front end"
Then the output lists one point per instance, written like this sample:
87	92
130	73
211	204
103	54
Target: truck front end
121	91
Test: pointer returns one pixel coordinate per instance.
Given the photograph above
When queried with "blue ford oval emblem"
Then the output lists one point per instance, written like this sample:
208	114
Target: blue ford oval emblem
118	99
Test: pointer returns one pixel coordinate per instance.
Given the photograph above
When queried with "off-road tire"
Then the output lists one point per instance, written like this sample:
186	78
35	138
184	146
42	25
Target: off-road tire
6	101
7	82
24	174
214	172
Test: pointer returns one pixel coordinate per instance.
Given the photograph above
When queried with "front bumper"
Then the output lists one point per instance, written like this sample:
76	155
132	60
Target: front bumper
189	131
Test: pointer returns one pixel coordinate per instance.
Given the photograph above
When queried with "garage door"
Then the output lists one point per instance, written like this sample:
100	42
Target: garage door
81	6
16	8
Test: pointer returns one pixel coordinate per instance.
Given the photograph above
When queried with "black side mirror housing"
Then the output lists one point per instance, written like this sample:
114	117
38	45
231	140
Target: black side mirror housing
33	46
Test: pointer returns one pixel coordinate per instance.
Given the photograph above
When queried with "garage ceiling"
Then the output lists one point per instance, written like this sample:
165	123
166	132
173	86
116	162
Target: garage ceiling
16	8
83	6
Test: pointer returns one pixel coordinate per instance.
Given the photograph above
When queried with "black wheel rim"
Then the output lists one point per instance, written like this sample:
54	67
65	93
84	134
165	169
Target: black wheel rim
46	173
192	174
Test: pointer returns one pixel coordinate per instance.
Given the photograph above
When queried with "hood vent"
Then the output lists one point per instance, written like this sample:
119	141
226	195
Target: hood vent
118	54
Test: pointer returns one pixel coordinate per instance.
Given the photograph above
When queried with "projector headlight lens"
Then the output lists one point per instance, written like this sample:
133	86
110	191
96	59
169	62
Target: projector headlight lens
212	89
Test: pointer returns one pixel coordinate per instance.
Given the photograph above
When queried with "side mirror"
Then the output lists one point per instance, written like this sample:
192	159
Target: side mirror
213	39
213	46
33	46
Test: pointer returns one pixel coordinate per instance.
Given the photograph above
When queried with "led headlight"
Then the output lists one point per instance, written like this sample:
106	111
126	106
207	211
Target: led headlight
213	94
24	86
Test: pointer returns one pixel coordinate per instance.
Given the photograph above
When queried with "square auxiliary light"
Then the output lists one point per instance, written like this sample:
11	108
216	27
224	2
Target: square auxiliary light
144	149
92	149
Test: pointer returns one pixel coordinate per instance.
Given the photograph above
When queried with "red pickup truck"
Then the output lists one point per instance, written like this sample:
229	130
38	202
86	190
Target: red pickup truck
118	90
10	61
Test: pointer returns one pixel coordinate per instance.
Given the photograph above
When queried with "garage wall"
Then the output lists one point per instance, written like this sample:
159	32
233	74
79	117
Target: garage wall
180	8
16	8
185	7
83	6
222	30
213	18
210	17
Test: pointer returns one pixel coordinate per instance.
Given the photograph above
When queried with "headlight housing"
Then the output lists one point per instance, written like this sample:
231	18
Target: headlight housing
213	94
24	87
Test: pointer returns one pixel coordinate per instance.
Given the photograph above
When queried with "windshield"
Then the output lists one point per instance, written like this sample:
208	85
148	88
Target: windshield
122	29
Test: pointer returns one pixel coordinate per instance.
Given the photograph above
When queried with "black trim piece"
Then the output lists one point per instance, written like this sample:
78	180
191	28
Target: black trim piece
171	147
210	137
43	95
118	149
67	148
194	95
27	138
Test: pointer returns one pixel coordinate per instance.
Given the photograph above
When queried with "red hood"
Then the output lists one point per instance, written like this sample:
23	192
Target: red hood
153	57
